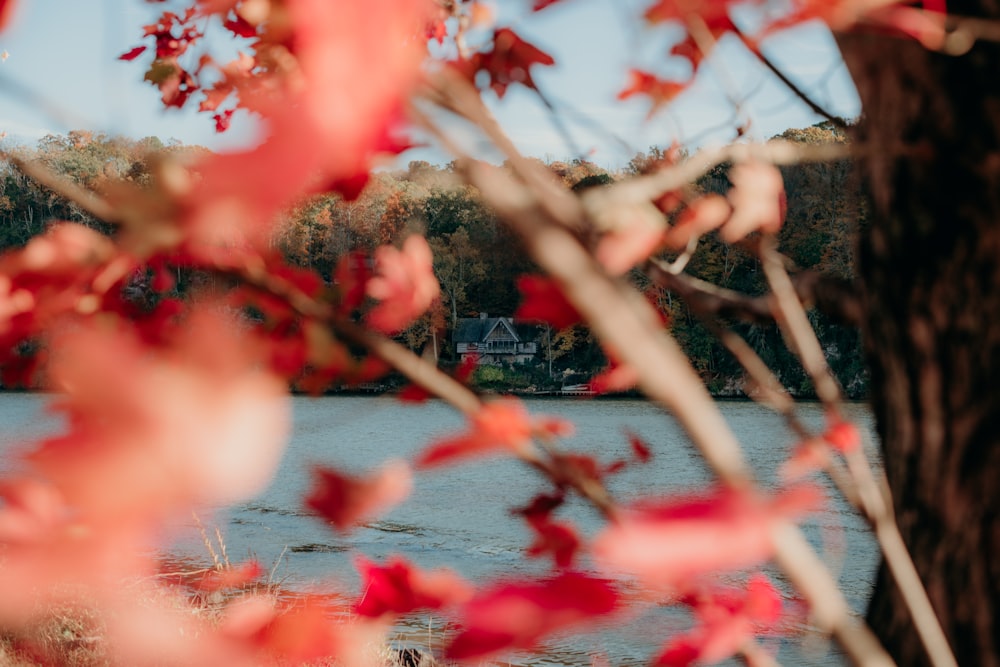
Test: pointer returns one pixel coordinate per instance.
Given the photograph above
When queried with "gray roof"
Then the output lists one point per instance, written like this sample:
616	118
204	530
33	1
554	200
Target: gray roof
476	329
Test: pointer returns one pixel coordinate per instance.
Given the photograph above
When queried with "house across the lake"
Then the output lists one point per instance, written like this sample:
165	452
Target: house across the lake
493	339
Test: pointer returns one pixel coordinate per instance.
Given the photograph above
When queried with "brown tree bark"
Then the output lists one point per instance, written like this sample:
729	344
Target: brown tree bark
929	267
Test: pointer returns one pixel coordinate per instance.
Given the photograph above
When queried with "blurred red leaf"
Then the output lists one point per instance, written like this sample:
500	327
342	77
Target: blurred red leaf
557	539
758	200
509	61
673	541
843	436
498	426
345	501
399	588
404	283
659	91
727	618
640	448
543	301
520	615
703	215
231	577
131	54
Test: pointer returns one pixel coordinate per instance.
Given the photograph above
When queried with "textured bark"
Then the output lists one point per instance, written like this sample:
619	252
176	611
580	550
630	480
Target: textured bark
929	266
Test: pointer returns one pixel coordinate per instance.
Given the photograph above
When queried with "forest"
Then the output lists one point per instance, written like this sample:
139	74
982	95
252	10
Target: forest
478	260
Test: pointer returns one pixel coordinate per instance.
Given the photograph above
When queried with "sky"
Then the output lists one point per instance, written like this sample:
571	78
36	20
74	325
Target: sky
62	73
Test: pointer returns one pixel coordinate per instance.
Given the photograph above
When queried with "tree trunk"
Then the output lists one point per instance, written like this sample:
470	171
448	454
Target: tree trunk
929	267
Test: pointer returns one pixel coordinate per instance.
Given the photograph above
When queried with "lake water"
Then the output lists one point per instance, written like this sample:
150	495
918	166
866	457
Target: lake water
459	516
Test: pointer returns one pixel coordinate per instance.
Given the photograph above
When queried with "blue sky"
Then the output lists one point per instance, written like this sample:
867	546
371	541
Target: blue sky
66	52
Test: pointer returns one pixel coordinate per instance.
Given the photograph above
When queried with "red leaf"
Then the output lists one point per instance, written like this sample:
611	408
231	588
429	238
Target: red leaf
758	200
6	10
399	588
346	501
701	216
559	540
616	377
404	283
640	449
350	277
301	632
727	619
543	301
132	54
658	90
509	61
843	436
671	542
240	27
512	616
413	393
231	577
222	120
498	426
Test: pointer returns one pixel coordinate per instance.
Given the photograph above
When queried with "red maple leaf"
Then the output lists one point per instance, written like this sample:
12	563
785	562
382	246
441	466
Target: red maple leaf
843	436
520	615
345	501
6	10
399	588
701	216
297	632
231	577
509	61
543	301
660	91
671	542
240	27
557	539
727	619
498	426
132	54
640	448
404	283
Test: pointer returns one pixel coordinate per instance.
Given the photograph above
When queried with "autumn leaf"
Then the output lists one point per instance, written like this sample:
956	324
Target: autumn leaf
404	284
659	91
132	54
726	619
542	300
498	426
231	576
520	615
758	201
703	215
195	421
843	436
345	501
508	62
673	541
640	448
399	588
558	539
302	630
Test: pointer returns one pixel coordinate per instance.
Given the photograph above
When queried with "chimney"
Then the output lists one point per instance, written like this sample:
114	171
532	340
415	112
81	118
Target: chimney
483	316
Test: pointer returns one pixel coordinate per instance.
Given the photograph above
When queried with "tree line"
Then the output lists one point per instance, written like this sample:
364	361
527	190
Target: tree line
477	260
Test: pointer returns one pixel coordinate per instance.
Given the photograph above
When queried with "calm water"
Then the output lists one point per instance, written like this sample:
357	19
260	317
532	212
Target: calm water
459	516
